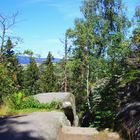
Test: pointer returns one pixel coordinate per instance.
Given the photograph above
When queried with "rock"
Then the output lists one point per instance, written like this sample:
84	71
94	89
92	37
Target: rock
67	101
67	107
129	113
34	126
76	133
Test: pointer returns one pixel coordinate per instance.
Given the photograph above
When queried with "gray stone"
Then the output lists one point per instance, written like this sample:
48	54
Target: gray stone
34	126
67	100
78	133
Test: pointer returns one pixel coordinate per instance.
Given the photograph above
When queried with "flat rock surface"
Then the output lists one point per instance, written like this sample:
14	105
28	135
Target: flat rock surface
77	133
62	97
53	96
34	126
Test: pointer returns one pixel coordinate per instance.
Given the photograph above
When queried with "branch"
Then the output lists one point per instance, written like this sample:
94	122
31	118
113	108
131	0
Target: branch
13	17
6	23
61	41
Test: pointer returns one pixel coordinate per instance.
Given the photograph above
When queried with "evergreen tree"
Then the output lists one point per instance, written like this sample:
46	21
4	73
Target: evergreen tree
31	77
11	63
10	75
6	82
48	78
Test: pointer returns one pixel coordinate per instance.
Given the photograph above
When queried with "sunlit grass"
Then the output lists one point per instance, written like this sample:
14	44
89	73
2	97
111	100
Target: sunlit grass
3	110
6	111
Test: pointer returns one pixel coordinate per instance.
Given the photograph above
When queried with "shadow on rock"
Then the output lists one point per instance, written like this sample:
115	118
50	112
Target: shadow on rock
8	130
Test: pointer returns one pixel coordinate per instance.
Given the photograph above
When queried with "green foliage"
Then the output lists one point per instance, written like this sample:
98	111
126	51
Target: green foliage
105	102
11	63
30	102
100	49
29	53
48	81
6	82
9	69
15	100
101	52
19	101
130	76
31	77
136	32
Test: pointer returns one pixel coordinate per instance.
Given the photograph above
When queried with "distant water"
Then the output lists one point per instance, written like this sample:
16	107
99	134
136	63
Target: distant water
26	59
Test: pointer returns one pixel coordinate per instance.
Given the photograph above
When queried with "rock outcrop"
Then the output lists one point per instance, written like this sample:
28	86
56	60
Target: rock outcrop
67	103
33	126
129	113
53	125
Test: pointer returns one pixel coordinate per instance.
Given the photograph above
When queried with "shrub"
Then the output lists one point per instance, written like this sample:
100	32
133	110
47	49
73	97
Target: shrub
15	100
18	101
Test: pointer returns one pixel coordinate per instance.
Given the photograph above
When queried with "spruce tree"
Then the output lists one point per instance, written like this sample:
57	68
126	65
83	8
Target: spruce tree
10	71
11	63
48	78
6	82
31	77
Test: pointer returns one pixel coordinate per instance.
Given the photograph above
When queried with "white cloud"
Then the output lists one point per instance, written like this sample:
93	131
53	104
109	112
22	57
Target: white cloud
43	46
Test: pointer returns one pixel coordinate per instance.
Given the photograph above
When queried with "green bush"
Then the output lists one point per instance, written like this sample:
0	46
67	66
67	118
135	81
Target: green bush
30	102
15	100
18	101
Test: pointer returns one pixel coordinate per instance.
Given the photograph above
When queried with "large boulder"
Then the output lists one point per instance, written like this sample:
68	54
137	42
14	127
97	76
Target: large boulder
33	126
129	113
67	103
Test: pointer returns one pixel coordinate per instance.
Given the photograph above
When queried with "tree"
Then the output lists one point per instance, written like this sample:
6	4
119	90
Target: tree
31	76
128	95
64	84
99	37
48	78
79	67
6	83
11	62
136	32
5	24
10	82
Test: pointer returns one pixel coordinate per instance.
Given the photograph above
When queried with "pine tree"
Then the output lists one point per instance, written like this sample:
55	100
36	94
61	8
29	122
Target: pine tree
11	63
10	71
6	82
31	77
48	78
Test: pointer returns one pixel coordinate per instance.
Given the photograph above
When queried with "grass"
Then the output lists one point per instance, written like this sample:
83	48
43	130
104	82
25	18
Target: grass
130	76
6	111
17	104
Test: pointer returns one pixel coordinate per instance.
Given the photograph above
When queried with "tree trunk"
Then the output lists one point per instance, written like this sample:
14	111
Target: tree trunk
65	65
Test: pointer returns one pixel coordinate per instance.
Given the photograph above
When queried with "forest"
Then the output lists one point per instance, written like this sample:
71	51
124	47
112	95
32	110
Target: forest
101	67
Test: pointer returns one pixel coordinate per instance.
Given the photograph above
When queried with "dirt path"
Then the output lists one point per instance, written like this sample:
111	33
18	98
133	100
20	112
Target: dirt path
77	133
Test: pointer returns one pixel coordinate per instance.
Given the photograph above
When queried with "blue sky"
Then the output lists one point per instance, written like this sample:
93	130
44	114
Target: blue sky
43	22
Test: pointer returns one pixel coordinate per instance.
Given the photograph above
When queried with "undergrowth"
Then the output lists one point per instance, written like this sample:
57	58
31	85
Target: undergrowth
18	103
